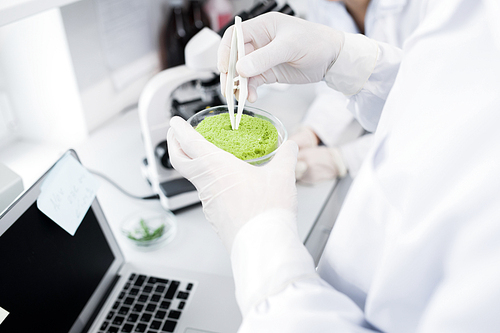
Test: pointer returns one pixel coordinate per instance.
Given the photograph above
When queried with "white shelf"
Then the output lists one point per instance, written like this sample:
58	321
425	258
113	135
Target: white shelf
15	10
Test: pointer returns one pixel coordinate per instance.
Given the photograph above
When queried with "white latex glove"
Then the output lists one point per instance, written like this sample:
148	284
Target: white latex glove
281	48
318	164
305	137
232	191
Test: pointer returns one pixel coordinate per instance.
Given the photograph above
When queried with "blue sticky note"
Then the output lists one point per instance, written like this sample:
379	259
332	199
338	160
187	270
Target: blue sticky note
67	193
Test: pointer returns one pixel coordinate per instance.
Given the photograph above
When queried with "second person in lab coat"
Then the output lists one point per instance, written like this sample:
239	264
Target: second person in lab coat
329	119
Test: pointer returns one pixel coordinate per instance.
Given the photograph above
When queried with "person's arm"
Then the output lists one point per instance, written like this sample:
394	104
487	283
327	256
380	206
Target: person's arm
365	71
253	210
286	49
277	287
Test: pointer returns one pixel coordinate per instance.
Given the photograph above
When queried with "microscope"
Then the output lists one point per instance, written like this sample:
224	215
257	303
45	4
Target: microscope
182	91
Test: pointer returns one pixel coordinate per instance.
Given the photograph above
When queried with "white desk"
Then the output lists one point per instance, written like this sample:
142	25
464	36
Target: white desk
116	150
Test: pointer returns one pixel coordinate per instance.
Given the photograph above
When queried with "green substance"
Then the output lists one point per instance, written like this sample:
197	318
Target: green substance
144	233
255	137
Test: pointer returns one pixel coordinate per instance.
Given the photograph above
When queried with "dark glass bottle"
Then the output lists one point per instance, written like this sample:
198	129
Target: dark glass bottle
198	18
174	35
180	26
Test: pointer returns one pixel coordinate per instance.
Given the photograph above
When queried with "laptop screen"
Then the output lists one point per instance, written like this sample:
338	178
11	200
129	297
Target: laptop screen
47	276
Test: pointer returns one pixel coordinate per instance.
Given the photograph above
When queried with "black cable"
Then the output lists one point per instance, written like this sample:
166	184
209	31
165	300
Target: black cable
150	197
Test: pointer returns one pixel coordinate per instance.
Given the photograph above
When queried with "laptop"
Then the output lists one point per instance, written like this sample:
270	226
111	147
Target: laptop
53	282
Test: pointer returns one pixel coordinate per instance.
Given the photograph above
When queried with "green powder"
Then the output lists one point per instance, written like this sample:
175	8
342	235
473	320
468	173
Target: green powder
255	137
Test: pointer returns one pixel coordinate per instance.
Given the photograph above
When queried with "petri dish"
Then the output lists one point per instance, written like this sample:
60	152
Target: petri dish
149	230
250	111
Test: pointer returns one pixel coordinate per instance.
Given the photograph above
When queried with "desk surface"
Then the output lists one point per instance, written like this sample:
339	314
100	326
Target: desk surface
116	150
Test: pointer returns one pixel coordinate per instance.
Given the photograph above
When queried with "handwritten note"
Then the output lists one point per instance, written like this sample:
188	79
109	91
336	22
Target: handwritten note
67	193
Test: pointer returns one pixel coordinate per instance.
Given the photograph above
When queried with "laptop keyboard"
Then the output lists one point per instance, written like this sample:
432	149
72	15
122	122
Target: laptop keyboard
147	304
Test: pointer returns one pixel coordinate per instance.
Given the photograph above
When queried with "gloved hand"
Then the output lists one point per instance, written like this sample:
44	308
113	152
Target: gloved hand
305	137
232	191
318	164
281	48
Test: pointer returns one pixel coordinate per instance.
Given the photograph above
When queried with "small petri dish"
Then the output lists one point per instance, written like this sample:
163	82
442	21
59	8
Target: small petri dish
249	111
149	230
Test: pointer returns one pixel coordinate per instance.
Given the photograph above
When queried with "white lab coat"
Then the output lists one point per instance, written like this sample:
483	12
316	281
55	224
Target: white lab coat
416	247
389	21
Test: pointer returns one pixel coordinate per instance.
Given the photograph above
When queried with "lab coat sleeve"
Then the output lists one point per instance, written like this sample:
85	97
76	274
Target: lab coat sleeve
354	152
328	115
277	287
365	71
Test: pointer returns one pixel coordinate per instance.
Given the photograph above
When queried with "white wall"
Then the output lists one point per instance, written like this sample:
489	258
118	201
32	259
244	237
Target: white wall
15	10
106	89
40	81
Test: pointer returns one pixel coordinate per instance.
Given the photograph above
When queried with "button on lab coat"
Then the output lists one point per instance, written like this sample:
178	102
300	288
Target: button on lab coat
416	247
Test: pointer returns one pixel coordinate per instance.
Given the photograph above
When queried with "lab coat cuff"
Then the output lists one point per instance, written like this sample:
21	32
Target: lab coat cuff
354	152
339	161
354	65
267	255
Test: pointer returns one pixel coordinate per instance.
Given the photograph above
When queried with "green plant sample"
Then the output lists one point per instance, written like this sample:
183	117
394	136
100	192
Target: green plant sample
255	137
145	234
